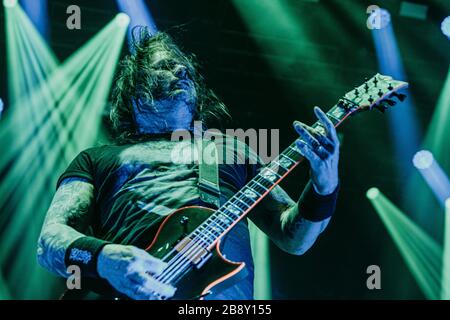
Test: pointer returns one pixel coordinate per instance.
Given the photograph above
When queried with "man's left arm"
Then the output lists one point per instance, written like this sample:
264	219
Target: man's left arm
295	226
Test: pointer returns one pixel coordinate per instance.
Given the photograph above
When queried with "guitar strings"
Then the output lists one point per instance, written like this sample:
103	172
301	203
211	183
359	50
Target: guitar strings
186	260
203	238
293	161
186	253
184	256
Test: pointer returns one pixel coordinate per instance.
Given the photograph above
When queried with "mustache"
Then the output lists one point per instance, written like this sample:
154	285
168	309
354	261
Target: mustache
168	87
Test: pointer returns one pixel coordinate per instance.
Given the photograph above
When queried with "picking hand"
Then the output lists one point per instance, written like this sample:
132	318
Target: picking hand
132	271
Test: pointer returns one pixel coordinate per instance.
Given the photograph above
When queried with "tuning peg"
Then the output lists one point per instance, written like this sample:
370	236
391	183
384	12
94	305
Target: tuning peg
371	99
390	87
366	87
399	96
390	102
381	107
385	105
402	97
380	93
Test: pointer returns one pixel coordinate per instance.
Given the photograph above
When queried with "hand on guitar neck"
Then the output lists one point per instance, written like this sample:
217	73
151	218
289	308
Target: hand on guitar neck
321	149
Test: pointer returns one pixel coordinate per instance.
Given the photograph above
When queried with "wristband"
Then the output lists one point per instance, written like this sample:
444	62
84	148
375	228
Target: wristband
315	207
83	253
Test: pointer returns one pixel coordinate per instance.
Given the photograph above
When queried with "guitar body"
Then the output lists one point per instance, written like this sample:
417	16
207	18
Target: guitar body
216	274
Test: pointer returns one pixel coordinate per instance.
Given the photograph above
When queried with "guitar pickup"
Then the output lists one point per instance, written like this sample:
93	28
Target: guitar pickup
199	255
203	260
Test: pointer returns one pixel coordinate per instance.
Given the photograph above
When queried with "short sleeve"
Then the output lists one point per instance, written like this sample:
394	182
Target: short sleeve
80	167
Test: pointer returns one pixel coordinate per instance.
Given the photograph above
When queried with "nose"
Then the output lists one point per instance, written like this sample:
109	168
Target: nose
181	72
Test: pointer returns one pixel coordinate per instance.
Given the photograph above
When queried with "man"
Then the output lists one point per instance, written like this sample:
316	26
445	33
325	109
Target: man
116	193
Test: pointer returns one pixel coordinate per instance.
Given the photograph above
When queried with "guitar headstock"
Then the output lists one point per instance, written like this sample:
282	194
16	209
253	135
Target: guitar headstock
379	92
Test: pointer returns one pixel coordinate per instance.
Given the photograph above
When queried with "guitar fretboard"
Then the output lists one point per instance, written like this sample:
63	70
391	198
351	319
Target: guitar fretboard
238	206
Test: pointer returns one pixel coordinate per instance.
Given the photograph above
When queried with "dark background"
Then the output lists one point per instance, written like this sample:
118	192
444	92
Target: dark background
237	69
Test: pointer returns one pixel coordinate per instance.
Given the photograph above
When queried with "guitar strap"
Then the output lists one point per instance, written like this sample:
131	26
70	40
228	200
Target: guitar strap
208	182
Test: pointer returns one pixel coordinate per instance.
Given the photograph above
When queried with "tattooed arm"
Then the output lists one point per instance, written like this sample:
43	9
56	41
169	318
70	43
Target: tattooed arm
294	227
128	269
67	220
278	216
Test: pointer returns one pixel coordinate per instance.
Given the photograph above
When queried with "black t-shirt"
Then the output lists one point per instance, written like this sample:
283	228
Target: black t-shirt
137	185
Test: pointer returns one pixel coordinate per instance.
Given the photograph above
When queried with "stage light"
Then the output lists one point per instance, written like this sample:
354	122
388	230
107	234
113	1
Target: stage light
1	107
9	3
123	19
373	193
433	174
139	15
445	27
71	101
379	19
437	141
421	253
37	11
407	136
30	60
423	159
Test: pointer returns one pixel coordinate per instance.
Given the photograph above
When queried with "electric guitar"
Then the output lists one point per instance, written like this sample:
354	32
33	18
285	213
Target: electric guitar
189	238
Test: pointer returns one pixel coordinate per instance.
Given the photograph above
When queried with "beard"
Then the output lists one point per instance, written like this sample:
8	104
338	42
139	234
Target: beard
179	92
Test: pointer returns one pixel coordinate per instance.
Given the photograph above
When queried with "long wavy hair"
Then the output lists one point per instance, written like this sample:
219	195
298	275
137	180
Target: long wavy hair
137	79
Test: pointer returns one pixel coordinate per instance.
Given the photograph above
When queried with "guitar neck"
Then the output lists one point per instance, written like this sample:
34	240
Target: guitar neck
238	206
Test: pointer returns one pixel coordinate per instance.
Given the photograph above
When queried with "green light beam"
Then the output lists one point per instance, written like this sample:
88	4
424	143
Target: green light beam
25	173
79	107
261	257
39	202
437	140
421	253
438	134
445	295
63	108
283	39
100	73
59	83
21	32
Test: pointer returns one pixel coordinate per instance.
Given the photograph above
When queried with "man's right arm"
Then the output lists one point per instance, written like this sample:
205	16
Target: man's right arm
67	220
128	269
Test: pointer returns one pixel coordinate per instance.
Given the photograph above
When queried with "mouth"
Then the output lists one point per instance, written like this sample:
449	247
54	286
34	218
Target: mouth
182	85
